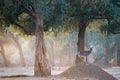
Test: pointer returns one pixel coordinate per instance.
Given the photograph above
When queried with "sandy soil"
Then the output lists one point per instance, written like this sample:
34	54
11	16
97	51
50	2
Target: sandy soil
45	78
86	70
83	71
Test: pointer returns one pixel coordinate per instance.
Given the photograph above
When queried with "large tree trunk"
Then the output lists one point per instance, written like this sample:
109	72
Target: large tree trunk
20	49
41	67
81	39
3	55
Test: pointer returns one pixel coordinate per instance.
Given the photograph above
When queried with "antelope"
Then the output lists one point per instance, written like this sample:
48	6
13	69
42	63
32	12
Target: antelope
86	53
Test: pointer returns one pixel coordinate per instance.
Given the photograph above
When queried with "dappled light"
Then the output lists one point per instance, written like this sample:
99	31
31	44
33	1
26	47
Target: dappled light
59	40
61	49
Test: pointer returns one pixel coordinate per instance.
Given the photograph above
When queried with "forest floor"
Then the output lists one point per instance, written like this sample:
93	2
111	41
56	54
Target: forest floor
79	72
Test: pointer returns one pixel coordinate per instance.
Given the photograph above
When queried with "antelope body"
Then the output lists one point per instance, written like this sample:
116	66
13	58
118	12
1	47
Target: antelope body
86	53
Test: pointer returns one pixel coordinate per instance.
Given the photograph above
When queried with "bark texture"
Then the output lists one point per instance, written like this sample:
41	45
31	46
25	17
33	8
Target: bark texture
41	67
81	38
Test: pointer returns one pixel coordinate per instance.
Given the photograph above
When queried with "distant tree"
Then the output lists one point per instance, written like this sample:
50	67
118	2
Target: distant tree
15	42
2	52
84	11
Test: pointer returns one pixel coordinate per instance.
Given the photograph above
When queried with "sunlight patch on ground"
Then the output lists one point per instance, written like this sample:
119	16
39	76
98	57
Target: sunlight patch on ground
115	71
57	70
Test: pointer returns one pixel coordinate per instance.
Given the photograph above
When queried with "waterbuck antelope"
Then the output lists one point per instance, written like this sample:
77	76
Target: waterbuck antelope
86	53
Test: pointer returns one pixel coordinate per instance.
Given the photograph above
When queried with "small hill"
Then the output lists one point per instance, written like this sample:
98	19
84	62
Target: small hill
86	70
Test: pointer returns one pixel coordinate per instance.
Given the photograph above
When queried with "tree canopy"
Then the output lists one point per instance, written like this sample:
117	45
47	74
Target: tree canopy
13	12
56	11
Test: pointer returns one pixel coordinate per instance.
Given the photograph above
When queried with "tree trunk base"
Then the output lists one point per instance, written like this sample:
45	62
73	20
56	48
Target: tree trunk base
79	59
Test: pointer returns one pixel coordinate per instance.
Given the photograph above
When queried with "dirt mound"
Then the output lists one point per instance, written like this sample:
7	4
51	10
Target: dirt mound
86	70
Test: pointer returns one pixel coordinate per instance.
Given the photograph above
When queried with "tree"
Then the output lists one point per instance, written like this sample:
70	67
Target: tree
3	53
38	10
16	43
84	11
6	34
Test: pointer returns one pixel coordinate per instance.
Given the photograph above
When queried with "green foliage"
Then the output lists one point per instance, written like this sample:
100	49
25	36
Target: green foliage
11	10
55	12
84	11
60	9
89	9
27	22
113	27
113	21
116	2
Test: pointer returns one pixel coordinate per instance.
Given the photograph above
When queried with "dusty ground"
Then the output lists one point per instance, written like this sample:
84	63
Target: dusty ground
115	71
39	78
14	71
86	70
74	73
32	78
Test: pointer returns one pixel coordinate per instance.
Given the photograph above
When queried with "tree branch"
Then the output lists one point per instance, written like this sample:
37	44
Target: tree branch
31	13
49	2
115	32
20	26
